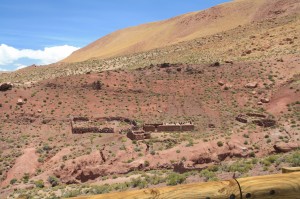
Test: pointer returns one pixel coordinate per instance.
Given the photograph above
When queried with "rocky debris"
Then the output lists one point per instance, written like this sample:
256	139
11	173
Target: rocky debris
212	126
216	64
248	52
285	147
186	166
260	103
190	70
265	100
5	87
229	62
53	85
97	85
242	119
164	65
39	111
227	86
251	85
20	102
221	83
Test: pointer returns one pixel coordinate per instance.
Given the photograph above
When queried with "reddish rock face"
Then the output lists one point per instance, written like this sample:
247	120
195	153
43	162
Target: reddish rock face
285	147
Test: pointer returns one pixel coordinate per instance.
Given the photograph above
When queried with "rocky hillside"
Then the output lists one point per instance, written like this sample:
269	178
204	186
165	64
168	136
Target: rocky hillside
273	37
184	28
238	84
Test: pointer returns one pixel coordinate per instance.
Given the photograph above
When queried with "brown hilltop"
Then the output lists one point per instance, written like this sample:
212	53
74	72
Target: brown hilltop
183	28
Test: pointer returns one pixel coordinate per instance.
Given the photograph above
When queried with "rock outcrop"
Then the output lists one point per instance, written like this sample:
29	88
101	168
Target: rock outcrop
5	87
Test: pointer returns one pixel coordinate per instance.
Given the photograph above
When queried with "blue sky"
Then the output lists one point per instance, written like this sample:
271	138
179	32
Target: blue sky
50	30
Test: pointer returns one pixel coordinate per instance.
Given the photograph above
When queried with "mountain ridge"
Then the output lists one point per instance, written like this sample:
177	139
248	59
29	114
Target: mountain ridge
180	28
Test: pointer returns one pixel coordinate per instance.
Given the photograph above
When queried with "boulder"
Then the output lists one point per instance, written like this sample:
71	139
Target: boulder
227	86
265	100
285	147
20	102
5	86
251	85
221	83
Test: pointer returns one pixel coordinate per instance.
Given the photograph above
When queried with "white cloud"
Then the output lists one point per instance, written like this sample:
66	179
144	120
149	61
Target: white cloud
20	66
9	55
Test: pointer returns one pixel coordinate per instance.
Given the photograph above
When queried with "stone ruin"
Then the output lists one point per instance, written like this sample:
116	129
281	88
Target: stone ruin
138	135
84	125
81	125
256	118
169	127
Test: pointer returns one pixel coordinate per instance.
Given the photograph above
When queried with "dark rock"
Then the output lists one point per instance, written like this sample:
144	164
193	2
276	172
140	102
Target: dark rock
5	87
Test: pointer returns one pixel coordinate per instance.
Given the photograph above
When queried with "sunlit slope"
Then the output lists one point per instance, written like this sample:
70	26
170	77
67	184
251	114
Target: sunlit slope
182	28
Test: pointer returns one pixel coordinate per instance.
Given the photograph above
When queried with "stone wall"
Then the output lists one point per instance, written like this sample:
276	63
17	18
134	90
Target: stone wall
265	122
176	127
256	115
168	128
138	135
83	130
80	119
187	127
256	118
149	128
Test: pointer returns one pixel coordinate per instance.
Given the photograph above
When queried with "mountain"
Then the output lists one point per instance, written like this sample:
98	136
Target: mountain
184	28
239	85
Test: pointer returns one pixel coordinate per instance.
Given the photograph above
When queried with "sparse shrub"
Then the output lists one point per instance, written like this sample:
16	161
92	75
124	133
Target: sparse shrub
13	181
146	163
53	181
39	183
294	159
241	167
220	143
208	175
26	177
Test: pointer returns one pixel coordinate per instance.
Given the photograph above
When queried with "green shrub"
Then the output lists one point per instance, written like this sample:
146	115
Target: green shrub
208	175
138	182
39	183
72	193
175	178
241	166
146	163
101	189
294	159
220	143
26	177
